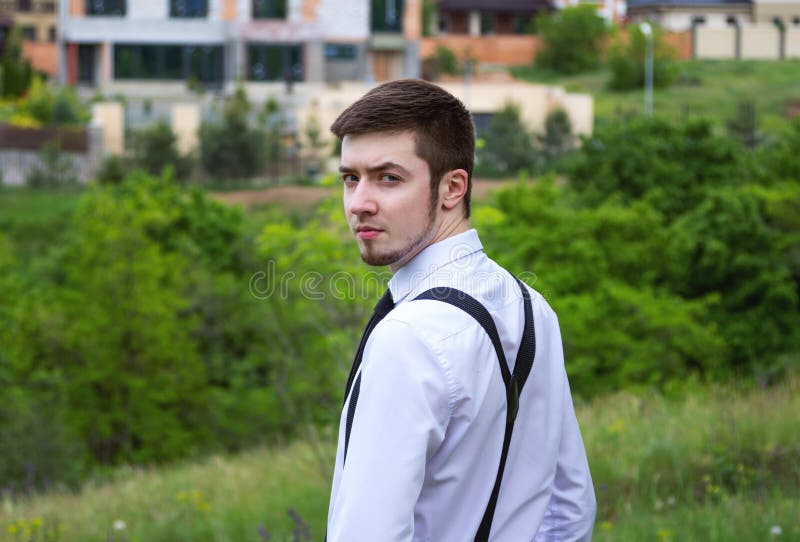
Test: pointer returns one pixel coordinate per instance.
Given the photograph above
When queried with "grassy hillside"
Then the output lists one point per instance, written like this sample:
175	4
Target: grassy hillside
712	88
716	464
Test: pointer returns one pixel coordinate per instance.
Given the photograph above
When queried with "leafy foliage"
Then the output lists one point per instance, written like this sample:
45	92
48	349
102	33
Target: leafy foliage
232	148
155	148
626	60
557	138
59	107
599	268
571	39
507	145
446	60
744	125
672	165
15	71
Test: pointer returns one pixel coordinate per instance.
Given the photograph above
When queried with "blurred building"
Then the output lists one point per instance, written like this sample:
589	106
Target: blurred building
728	29
485	31
215	42
36	20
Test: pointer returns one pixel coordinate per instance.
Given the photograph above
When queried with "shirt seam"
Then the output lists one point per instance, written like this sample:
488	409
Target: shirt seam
438	355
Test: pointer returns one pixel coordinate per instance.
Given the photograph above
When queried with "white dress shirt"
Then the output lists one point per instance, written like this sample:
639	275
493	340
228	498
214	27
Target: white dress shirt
428	429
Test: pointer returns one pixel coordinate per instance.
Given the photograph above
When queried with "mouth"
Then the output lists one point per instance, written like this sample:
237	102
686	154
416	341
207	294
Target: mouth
367	232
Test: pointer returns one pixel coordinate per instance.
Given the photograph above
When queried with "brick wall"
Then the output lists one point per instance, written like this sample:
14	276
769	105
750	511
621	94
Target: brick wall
514	50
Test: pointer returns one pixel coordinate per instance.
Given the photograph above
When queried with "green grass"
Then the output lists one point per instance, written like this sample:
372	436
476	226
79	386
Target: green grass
713	464
711	88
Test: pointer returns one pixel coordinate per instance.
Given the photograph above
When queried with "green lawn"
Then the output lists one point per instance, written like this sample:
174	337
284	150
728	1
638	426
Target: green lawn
704	87
714	464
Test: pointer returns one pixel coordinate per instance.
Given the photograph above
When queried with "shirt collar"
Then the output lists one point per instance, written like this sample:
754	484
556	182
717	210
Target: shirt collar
432	258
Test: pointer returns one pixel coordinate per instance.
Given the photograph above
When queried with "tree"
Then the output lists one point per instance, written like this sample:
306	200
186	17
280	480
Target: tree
744	125
572	39
671	164
272	122
232	148
507	146
15	71
446	60
156	147
557	138
626	60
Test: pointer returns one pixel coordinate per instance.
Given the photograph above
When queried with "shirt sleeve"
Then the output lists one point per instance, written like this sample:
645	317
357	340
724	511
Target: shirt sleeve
400	421
570	513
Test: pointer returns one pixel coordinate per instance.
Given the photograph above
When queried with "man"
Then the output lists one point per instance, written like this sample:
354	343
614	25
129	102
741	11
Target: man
423	422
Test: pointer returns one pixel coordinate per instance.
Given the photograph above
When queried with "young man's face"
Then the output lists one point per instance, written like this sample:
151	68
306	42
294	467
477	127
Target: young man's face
387	197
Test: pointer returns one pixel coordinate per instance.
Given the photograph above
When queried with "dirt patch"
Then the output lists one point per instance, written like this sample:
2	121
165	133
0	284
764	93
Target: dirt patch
306	197
295	197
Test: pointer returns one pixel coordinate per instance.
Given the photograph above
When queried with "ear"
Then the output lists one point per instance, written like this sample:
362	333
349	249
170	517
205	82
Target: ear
452	188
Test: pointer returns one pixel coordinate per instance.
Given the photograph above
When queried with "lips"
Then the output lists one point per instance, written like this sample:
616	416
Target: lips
367	232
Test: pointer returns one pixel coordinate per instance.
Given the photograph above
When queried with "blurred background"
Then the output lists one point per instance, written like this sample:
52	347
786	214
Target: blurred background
180	297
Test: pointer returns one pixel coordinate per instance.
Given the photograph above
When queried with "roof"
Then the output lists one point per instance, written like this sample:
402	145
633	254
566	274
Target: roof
692	3
496	6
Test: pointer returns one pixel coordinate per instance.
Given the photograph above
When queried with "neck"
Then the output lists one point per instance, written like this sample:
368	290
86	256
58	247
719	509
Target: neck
449	226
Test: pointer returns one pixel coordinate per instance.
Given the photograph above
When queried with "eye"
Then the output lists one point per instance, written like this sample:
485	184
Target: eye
349	178
388	177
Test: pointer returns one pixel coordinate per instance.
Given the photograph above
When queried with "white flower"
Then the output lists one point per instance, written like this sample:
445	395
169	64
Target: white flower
118	525
776	530
671	501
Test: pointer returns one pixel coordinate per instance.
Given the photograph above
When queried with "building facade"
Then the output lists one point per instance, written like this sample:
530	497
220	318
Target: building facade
37	21
215	42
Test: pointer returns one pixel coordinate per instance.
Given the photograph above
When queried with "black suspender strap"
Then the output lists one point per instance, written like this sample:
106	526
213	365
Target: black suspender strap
513	382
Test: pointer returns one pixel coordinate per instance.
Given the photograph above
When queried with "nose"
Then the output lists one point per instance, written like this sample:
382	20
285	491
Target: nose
360	199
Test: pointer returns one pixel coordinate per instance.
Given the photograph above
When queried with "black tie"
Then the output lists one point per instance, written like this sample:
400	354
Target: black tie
382	308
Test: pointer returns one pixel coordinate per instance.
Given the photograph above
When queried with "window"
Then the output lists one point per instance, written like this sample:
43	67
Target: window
521	24
188	8
488	23
340	51
51	34
86	64
106	7
269	9
272	62
387	15
796	21
47	7
29	33
23	5
172	62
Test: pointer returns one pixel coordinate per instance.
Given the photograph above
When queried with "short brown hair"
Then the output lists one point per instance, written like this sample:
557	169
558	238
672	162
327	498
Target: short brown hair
442	126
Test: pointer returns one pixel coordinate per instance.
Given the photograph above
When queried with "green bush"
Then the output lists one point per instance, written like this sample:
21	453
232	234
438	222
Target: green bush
671	164
112	170
600	268
778	160
572	39
557	139
446	60
727	247
233	148
59	107
626	60
156	148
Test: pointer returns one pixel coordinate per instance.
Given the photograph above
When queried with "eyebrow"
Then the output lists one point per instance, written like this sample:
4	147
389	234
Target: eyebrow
378	168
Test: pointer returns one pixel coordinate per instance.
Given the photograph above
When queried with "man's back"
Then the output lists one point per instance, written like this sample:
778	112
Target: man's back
428	429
